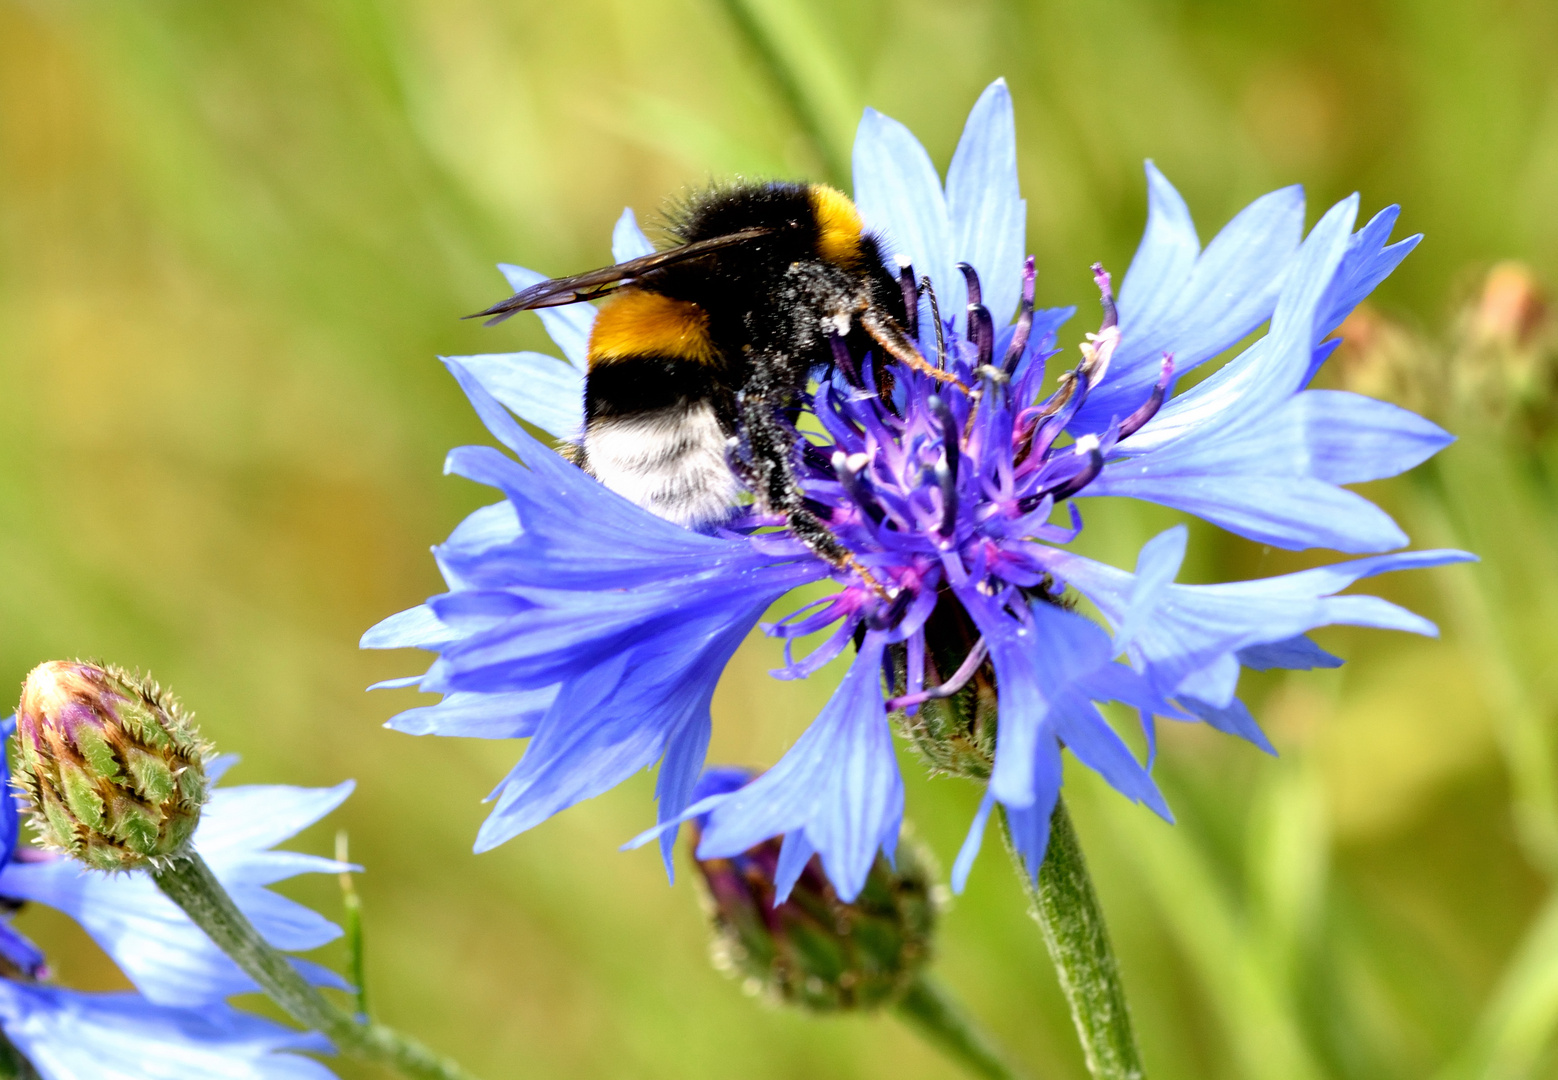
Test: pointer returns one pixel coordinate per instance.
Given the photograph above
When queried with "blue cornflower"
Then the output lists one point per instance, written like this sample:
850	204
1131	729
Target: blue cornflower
597	630
178	1026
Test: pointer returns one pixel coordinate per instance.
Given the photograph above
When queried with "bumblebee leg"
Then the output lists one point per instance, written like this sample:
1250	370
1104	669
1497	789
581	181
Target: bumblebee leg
778	490
886	332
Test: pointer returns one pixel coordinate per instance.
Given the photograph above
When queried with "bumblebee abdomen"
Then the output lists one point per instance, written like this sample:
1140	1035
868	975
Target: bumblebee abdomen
657	408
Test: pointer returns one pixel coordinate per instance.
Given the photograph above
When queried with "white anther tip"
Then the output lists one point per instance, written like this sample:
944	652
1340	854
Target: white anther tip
1087	444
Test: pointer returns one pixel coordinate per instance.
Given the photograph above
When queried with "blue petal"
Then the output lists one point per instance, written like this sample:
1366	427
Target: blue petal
1084	732
539	389
987	214
1350	439
1295	654
479	716
628	240
258	816
1198	625
1229	391
964	864
68	1035
568	325
415	627
794	854
899	195
1025	697
839	784
1231	290
551	495
680	769
1030	824
1268	469
10	817
1167	253
615	718
1369	261
19	953
494	524
166	956
1157	565
1231	719
1292	512
398	683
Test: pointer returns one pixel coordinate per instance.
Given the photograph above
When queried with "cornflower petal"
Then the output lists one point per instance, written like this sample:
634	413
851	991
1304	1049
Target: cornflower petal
68	1035
899	195
628	240
568	325
539	389
1196	625
988	215
168	958
1230	290
838	786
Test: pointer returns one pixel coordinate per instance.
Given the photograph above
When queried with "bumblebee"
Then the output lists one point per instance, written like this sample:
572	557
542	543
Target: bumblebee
702	347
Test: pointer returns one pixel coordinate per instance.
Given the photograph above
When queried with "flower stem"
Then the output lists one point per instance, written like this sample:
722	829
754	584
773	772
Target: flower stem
931	1010
351	903
13	1066
190	884
1066	908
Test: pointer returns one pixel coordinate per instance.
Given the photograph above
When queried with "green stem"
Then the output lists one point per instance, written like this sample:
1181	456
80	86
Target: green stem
351	903
13	1066
189	883
1066	908
930	1009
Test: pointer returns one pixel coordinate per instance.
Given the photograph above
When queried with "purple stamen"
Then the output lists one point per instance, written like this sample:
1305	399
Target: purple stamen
1089	472
1045	434
971	276
981	330
882	618
1138	419
947	481
949	431
842	359
1020	335
960	677
856	486
1106	297
911	296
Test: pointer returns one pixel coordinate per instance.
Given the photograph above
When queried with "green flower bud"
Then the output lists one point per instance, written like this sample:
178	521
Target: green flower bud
111	763
953	728
813	950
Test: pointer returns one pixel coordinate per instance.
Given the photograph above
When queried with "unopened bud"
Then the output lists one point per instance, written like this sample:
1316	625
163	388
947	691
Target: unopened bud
951	721
111	763
812	950
1380	358
1506	363
1511	309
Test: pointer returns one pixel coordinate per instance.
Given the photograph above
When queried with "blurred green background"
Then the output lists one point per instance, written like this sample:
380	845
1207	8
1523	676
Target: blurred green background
233	237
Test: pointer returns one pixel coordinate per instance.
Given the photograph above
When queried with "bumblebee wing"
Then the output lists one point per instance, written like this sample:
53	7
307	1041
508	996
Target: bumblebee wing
588	286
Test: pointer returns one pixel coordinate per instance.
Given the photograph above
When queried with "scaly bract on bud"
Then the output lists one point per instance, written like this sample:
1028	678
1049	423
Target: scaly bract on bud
810	948
111	763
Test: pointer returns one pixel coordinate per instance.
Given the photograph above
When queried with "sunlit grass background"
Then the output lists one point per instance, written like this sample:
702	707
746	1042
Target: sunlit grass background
233	237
